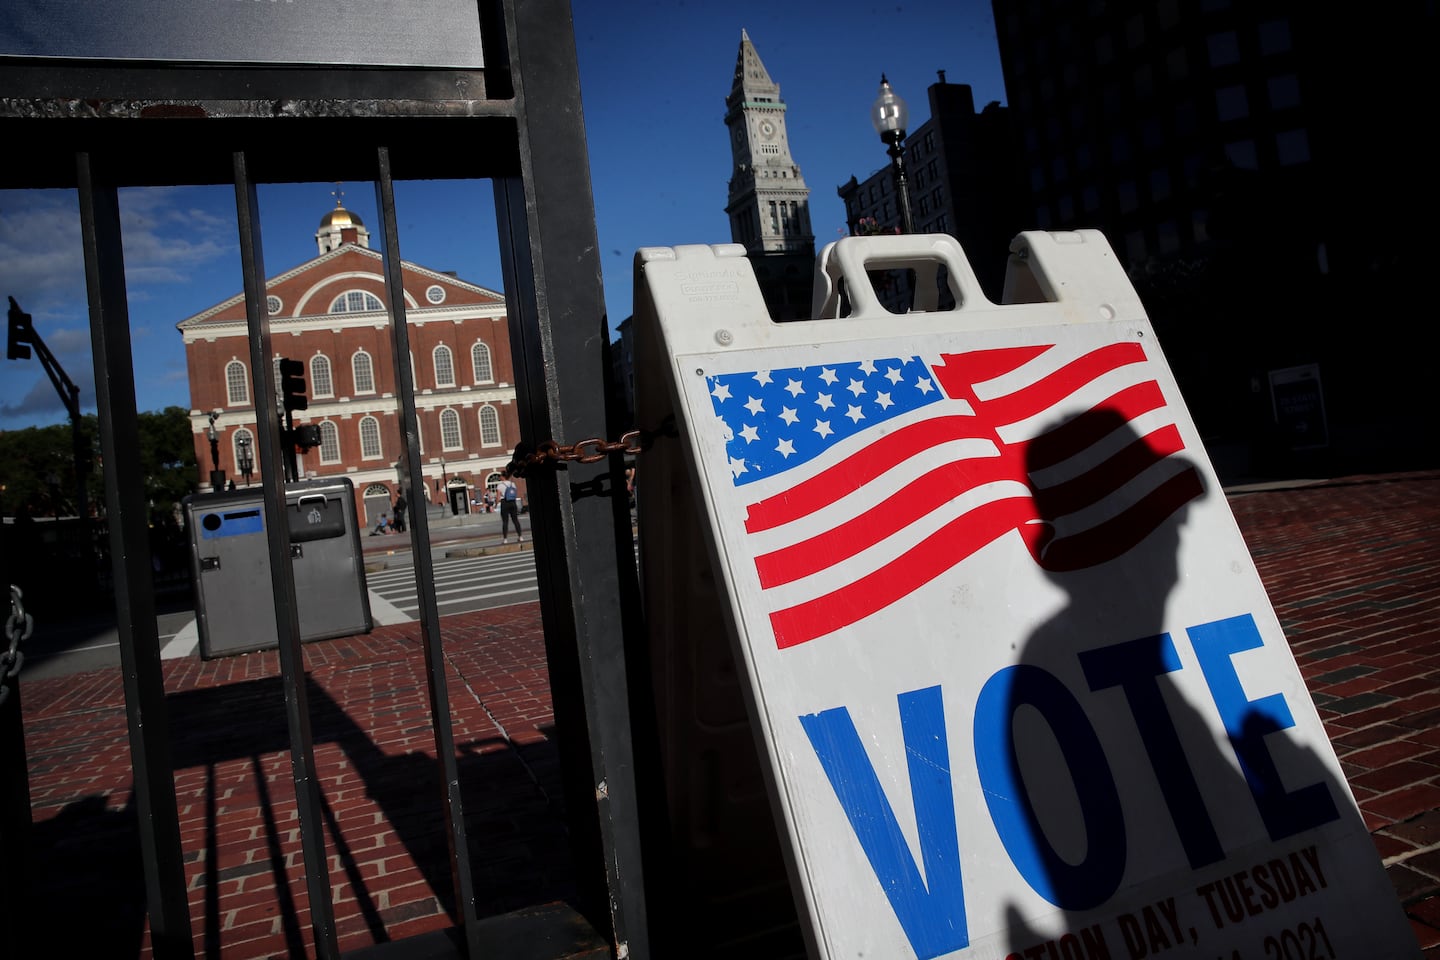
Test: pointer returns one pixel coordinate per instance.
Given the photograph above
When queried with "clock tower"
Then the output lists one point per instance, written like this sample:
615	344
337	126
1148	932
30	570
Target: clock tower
769	206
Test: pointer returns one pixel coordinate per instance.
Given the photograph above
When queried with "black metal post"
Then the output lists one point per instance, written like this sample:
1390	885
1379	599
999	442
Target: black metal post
282	578
424	567
896	150
128	511
557	318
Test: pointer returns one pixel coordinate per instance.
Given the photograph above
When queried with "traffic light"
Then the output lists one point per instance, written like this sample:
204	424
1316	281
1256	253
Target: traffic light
292	384
21	332
307	436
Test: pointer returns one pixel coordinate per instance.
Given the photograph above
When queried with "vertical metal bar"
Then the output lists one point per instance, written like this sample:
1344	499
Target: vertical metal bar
15	818
287	623
557	319
126	506
424	566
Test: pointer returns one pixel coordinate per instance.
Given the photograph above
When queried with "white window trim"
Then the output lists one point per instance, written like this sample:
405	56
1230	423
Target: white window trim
499	434
314	385
380	451
354	380
244	400
489	356
435	365
459	430
339	456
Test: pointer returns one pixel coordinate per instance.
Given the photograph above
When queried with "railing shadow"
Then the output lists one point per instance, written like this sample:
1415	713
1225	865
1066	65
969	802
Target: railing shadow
231	756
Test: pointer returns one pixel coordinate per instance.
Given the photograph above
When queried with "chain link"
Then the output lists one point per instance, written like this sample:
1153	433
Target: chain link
17	629
592	449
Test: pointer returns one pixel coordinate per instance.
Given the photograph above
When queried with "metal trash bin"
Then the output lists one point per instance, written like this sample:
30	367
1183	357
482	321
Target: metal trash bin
230	566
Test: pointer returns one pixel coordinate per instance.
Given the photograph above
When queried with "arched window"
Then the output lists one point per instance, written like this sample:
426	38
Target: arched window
480	360
321	383
444	367
329	442
237	384
489	426
449	429
492	482
364	372
356	301
369	438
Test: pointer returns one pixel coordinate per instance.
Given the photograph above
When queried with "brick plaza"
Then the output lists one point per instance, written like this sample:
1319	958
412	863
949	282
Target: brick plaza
1352	567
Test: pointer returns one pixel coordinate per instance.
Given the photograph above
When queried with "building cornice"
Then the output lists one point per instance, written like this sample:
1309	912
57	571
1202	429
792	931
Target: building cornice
204	316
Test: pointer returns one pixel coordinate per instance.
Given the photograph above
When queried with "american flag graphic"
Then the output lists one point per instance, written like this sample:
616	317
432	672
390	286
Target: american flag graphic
872	477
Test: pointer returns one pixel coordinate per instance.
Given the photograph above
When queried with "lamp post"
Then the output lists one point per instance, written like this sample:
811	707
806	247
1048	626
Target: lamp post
890	116
247	460
217	476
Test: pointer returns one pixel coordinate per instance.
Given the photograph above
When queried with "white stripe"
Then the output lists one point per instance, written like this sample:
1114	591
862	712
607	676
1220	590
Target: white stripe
869	496
1033	371
1116	502
780	482
1104	448
873	558
382	611
1085	397
485	596
187	639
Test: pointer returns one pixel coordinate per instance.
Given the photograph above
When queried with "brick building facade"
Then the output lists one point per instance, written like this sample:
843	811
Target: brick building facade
331	313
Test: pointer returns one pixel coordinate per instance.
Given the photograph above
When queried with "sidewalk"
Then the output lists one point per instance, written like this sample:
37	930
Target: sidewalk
1353	569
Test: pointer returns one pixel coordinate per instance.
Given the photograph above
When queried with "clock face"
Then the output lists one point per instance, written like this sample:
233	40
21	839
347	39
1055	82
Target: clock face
767	129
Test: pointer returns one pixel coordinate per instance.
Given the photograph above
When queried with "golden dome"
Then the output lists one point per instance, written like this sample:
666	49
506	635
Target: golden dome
340	217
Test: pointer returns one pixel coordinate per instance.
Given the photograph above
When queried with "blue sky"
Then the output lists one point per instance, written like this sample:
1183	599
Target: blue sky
653	80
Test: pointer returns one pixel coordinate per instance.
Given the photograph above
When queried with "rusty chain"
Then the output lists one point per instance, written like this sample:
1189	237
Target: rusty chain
590	450
17	629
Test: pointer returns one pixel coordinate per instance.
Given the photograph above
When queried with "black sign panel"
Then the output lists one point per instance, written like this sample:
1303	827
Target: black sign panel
375	33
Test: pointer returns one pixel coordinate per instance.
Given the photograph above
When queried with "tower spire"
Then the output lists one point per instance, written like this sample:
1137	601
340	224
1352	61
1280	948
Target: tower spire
769	204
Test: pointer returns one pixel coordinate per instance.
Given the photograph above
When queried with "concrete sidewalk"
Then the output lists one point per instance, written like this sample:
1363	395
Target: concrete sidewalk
1352	567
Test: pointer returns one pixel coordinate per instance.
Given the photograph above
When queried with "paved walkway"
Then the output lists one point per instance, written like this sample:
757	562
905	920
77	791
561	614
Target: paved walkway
1353	568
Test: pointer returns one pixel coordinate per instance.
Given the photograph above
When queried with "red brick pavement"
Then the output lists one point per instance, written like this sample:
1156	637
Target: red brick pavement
1353	568
374	752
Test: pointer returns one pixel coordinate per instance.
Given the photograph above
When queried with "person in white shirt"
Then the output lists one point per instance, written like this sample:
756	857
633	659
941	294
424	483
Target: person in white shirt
509	496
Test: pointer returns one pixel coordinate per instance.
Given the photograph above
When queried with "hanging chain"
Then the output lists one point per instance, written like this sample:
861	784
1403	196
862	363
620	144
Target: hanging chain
17	628
591	450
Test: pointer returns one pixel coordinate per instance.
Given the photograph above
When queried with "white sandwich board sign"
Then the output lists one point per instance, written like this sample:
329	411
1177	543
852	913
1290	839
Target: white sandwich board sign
1017	686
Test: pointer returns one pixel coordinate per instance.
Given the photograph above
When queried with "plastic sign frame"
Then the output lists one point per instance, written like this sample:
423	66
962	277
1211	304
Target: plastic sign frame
1017	686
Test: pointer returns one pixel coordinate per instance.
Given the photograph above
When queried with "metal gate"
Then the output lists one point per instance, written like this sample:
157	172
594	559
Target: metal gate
101	118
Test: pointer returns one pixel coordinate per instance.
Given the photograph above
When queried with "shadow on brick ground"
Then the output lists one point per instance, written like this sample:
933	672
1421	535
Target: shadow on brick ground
384	833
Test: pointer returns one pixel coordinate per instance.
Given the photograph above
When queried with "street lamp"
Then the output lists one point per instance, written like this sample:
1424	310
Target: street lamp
247	461
217	476
890	117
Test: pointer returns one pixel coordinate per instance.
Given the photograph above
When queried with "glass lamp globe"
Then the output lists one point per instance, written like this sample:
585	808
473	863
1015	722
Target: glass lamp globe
889	114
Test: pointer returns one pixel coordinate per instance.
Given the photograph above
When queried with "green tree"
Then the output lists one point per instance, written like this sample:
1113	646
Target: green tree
37	465
167	455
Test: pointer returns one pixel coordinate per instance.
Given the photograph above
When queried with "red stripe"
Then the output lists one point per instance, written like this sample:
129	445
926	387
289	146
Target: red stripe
959	372
1049	391
1105	478
1095	424
924	495
858	469
1121	533
902	576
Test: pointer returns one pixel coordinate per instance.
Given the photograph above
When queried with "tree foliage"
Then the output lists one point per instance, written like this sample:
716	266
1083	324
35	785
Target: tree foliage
38	465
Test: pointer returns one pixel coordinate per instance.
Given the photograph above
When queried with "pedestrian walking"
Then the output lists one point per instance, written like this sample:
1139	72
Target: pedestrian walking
509	509
399	522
